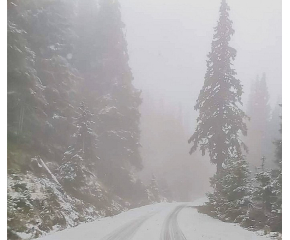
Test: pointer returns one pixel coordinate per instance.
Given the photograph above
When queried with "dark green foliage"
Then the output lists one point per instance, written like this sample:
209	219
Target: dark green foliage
254	203
119	114
25	90
220	119
79	160
263	192
41	83
102	59
232	191
277	186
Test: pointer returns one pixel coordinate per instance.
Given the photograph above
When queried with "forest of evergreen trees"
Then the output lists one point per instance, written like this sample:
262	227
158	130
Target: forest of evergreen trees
73	116
251	196
74	136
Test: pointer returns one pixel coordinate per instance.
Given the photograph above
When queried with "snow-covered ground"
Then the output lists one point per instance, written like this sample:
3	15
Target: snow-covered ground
162	221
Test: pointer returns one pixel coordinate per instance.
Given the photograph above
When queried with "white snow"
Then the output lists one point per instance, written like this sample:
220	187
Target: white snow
194	225
51	174
197	226
100	228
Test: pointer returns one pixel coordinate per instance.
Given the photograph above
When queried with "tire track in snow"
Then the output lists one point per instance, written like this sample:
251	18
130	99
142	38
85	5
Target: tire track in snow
127	231
171	230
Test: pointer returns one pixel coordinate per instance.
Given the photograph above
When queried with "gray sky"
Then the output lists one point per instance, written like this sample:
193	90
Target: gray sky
168	41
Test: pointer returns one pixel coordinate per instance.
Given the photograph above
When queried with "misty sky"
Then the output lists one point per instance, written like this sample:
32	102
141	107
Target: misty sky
168	41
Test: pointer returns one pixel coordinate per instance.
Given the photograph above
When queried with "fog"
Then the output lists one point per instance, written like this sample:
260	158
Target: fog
168	43
101	119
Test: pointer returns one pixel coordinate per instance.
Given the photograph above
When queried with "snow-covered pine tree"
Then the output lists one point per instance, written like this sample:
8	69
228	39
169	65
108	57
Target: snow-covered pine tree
50	93
102	59
277	185
25	95
86	48
232	191
49	27
263	191
78	163
220	120
86	138
43	94
113	98
267	195
274	131
62	83
219	125
119	107
52	38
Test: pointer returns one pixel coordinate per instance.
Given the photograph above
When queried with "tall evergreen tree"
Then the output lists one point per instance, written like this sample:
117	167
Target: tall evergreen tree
85	53
220	120
263	191
277	183
52	84
102	59
52	66
78	162
267	195
119	102
49	27
26	100
232	192
259	113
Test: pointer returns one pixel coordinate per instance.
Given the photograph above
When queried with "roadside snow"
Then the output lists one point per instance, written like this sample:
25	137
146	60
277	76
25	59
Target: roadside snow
100	228
197	226
194	226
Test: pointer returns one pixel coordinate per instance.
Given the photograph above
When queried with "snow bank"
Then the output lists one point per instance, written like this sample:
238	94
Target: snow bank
197	226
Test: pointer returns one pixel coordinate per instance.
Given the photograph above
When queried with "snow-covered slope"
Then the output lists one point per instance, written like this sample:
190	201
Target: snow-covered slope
162	221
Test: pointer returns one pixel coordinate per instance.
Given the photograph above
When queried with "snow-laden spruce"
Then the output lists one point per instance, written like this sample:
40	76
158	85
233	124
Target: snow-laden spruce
220	121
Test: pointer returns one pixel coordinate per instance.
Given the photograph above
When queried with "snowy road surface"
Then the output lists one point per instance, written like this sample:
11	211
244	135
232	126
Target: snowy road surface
162	221
171	229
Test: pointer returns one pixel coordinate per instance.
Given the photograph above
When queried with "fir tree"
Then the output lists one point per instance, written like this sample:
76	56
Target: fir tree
220	119
86	138
277	185
86	49
49	27
51	68
263	191
26	100
267	207
232	192
79	161
46	100
259	113
102	59
118	99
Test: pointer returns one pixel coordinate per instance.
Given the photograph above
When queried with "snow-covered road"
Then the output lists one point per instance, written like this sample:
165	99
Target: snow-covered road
171	230
162	221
